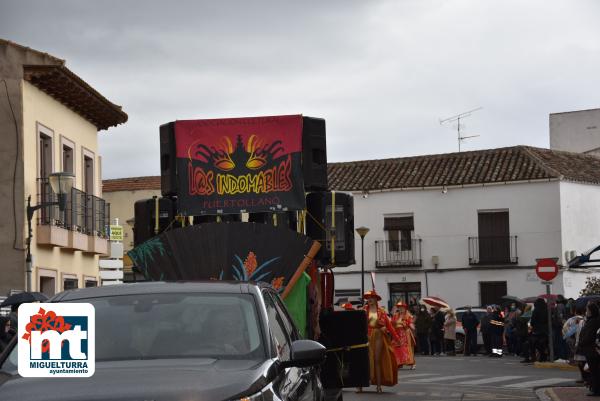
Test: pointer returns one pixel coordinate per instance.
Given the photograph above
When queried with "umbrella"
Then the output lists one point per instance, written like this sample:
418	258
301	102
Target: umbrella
23	297
582	302
509	299
436	302
550	299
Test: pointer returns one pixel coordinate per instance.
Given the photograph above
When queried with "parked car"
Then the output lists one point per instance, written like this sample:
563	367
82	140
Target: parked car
182	341
460	332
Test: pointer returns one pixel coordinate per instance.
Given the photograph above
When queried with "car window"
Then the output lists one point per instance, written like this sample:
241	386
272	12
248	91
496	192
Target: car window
287	321
222	326
278	330
11	362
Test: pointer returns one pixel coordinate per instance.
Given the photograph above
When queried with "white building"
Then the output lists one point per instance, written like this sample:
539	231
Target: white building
468	227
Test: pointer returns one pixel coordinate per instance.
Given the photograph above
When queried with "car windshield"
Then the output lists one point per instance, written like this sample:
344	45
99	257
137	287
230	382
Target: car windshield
147	326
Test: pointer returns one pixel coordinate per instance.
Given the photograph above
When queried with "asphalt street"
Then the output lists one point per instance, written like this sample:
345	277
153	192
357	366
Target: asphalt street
474	378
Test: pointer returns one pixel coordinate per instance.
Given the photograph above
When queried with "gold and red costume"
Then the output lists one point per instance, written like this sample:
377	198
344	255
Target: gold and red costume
383	367
404	345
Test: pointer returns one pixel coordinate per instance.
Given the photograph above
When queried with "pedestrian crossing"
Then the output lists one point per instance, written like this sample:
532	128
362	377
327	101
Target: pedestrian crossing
476	380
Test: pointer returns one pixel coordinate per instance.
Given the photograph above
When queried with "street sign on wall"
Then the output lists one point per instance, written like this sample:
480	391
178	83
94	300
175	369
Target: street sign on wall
546	269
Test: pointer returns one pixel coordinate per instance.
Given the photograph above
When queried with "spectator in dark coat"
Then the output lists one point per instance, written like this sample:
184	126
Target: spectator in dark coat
587	346
437	331
522	329
470	322
485	331
538	339
423	324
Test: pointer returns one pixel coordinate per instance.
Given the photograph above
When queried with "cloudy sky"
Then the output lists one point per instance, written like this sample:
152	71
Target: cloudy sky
382	73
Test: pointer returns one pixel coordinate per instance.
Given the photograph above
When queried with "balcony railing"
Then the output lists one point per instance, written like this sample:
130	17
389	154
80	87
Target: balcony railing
494	250
87	214
399	253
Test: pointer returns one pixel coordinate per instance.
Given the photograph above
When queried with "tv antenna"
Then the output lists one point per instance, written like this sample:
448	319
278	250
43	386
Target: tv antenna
457	118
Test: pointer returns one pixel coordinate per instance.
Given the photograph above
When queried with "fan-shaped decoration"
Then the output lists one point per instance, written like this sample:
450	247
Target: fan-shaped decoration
226	251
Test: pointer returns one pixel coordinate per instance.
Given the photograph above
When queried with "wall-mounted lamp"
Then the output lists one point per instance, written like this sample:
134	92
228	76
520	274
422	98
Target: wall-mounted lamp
444	190
365	194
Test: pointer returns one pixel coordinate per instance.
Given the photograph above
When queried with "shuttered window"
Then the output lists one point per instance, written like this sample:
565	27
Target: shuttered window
399	232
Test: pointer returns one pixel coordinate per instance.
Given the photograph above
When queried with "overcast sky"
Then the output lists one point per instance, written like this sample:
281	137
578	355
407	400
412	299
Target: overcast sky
382	73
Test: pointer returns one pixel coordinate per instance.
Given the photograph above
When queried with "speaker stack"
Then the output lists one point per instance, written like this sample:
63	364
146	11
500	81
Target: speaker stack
145	218
320	226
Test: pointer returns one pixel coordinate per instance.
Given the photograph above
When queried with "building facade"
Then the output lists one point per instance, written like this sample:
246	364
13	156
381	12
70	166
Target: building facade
122	193
468	227
50	119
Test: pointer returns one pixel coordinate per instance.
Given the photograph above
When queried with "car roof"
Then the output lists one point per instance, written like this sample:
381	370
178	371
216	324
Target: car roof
160	287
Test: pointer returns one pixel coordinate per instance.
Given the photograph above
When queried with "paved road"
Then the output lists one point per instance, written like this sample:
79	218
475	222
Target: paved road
468	379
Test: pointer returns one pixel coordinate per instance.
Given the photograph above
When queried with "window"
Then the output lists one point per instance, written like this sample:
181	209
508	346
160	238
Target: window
88	175
67	159
70	284
400	232
45	155
279	336
91	283
47	285
88	171
494	236
287	321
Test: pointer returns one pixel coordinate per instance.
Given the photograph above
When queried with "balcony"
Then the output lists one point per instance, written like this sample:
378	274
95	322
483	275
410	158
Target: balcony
401	253
82	226
496	250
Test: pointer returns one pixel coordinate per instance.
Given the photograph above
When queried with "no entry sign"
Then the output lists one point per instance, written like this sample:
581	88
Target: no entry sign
546	269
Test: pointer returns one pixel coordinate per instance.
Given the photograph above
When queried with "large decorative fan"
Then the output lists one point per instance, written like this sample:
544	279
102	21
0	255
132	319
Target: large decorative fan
226	251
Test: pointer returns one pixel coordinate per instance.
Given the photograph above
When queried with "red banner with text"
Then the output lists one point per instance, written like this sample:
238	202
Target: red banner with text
238	165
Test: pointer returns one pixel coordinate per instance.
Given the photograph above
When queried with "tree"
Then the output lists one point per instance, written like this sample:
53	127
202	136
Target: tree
592	286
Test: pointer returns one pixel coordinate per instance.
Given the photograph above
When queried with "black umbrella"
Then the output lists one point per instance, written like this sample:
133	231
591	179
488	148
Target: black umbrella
582	302
24	297
509	299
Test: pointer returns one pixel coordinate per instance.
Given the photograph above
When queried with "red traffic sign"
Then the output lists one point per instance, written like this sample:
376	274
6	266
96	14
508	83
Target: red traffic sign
546	269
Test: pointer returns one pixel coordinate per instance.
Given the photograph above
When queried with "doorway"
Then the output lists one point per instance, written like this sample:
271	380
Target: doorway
491	292
410	293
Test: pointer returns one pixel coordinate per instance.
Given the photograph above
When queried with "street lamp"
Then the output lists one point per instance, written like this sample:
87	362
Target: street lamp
61	184
362	231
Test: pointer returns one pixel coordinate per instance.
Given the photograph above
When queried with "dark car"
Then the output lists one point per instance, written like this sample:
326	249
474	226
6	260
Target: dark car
183	341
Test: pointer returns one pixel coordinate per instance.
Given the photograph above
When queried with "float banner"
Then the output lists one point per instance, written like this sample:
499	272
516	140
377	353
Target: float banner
239	165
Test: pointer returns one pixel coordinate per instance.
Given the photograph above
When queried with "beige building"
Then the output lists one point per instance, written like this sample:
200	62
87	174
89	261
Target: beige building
49	120
122	193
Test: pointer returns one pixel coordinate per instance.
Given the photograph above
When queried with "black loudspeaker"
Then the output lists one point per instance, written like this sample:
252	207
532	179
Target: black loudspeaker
344	333
168	160
145	218
282	219
314	154
319	226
